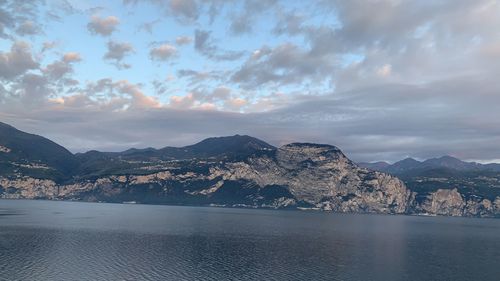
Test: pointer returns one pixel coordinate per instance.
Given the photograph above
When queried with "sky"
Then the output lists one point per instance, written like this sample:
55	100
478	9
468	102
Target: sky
380	79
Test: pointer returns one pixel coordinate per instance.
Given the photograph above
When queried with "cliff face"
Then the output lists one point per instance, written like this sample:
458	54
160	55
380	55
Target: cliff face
451	203
322	177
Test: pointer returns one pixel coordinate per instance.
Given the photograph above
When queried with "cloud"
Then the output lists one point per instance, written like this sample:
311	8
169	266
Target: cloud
284	64
7	22
117	51
17	61
196	77
182	102
184	11
183	40
204	44
385	70
49	45
163	52
139	99
148	26
58	69
30	90
235	104
219	98
103	26
244	21
71	57
201	41
187	9
19	18
64	66
28	28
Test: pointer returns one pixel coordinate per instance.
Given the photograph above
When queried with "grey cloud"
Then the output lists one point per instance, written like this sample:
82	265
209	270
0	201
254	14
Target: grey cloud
284	64
61	68
289	23
19	18
252	9
30	90
241	24
148	26
6	22
48	45
28	28
185	11
58	69
218	94
399	42
71	57
17	61
201	41
103	26
196	77
117	51
392	23
183	40
185	8
204	44
163	52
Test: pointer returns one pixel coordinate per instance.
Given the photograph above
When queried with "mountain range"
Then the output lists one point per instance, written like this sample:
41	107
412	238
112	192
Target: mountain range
243	171
412	166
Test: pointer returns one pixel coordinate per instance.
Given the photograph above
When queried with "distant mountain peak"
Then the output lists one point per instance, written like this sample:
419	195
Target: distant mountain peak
409	160
231	142
377	166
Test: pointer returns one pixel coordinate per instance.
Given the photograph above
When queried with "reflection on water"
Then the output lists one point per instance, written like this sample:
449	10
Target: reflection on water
41	240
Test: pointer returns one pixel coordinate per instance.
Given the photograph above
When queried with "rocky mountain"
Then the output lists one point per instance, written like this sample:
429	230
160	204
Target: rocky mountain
236	171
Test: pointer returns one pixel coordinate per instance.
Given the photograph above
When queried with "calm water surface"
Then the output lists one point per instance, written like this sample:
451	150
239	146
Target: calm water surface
43	240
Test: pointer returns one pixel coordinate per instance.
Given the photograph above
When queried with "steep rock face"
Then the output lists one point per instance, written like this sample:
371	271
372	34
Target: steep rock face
444	202
449	202
321	176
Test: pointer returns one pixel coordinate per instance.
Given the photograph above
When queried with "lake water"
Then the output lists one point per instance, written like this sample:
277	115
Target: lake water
43	240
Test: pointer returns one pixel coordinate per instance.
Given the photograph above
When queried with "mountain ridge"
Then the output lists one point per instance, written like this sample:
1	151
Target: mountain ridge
445	161
233	171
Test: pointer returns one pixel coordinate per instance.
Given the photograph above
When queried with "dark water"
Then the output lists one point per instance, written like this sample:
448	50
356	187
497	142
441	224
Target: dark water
41	240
